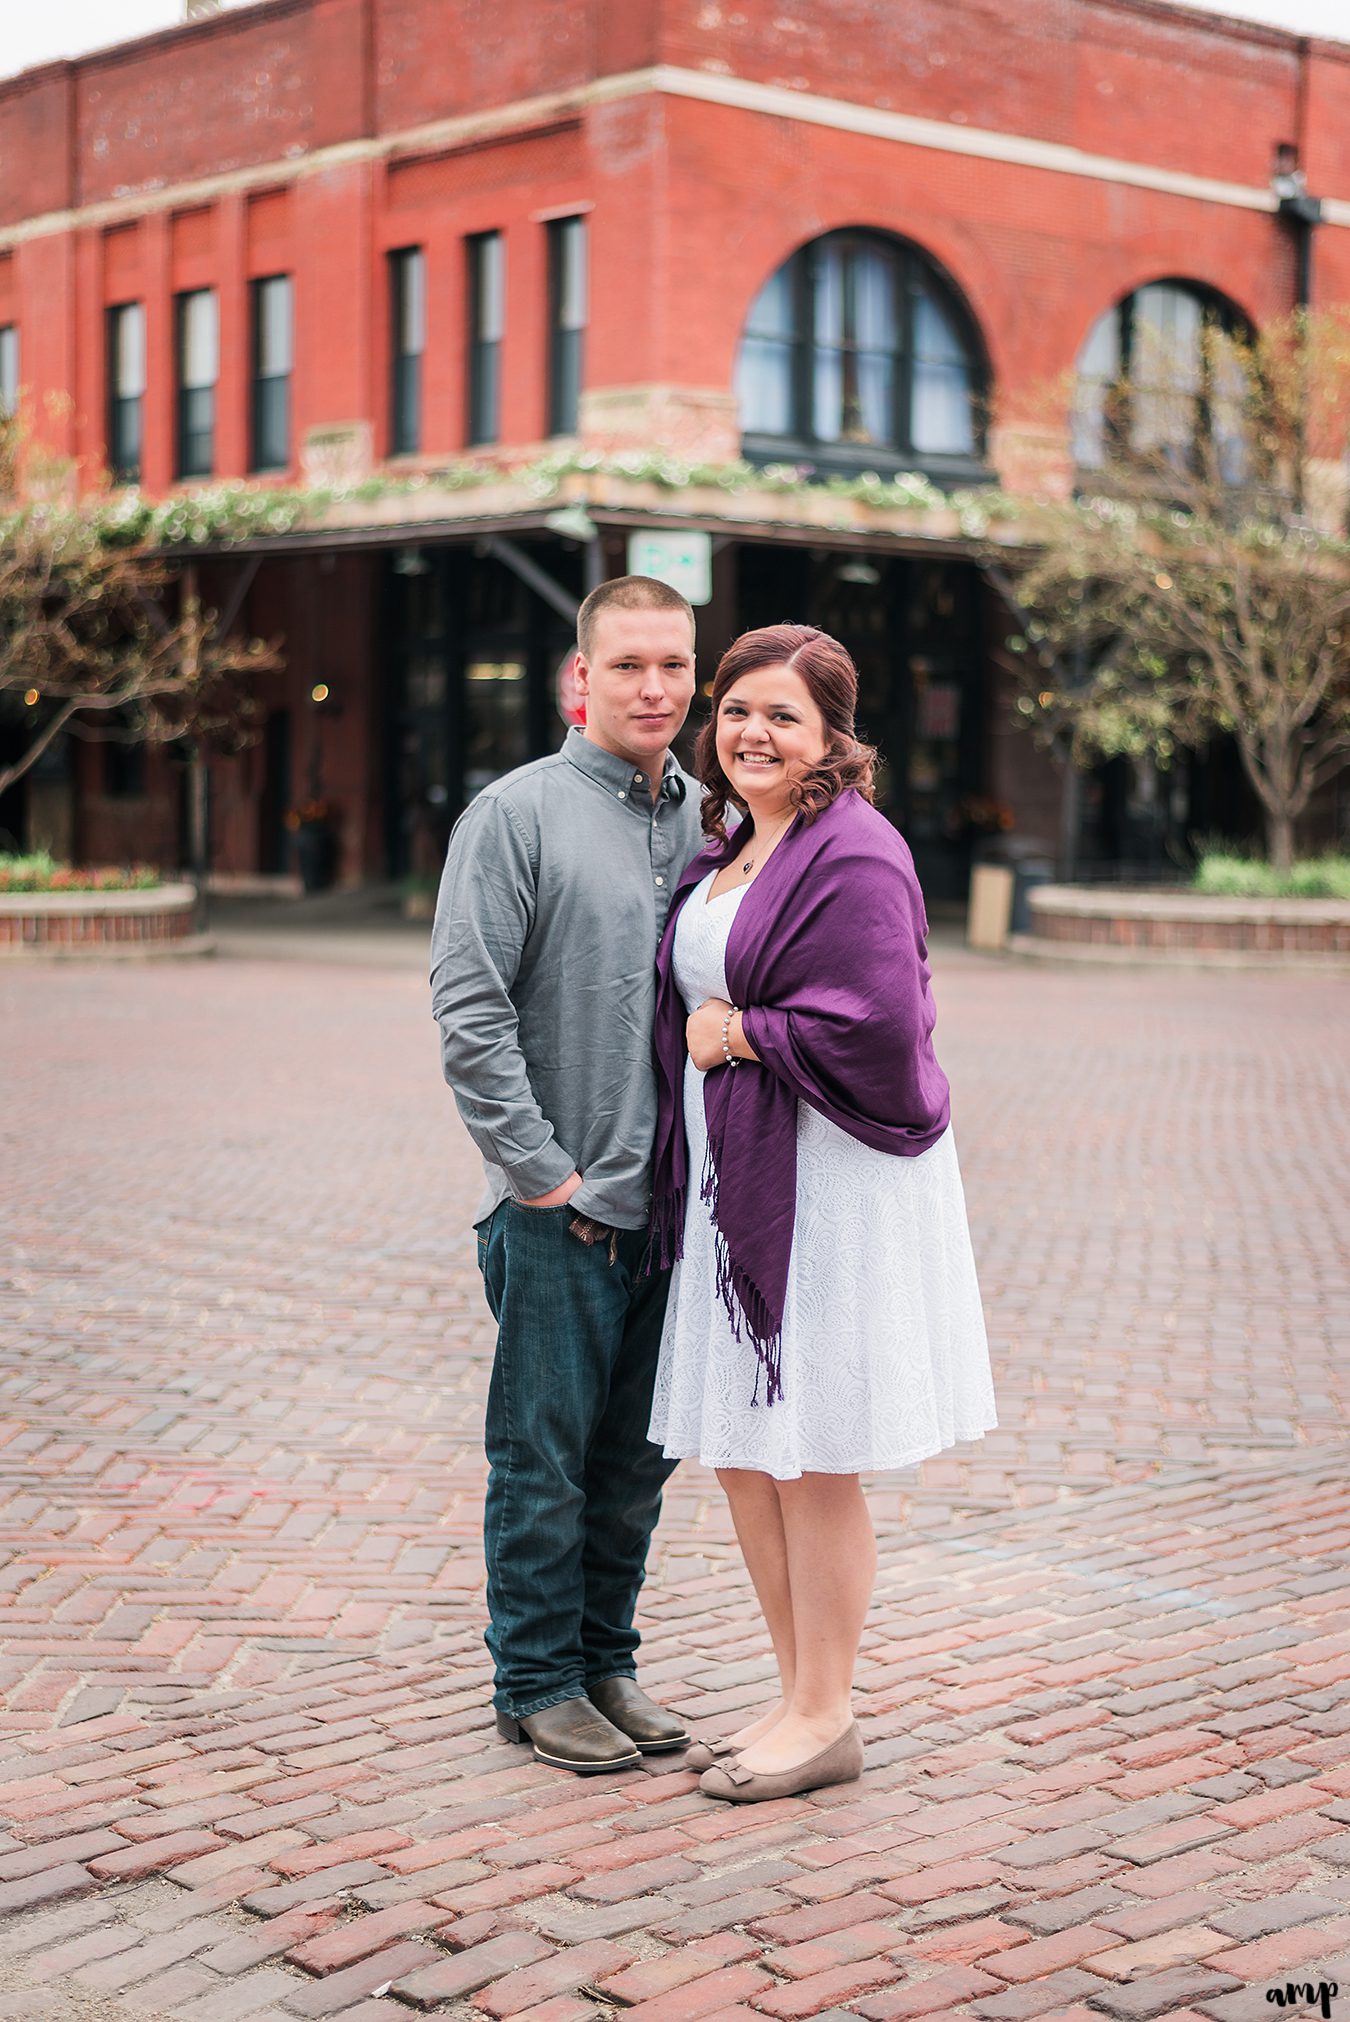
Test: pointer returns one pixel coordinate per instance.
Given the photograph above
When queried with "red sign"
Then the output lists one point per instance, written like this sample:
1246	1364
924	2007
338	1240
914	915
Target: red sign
571	701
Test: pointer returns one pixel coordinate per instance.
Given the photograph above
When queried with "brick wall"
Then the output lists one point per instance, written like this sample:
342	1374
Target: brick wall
314	137
189	158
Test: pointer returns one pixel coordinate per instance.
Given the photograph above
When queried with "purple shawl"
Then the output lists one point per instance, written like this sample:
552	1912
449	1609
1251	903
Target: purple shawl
827	960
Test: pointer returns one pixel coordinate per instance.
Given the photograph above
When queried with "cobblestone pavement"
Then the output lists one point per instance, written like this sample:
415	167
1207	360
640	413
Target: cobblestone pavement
247	1770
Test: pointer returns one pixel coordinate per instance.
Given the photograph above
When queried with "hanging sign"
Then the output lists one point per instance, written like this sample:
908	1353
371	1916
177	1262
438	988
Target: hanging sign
684	560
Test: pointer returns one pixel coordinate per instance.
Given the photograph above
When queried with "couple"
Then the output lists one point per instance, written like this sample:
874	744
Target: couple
670	1043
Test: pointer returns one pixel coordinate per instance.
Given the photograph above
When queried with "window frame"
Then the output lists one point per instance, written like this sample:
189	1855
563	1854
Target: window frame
9	370
483	377
1114	418
913	271
124	468
268	451
566	342
186	427
405	365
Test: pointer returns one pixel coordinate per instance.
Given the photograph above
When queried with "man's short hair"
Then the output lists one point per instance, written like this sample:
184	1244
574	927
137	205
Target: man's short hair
627	593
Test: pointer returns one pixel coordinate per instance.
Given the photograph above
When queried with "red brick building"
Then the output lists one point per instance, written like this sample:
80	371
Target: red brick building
344	237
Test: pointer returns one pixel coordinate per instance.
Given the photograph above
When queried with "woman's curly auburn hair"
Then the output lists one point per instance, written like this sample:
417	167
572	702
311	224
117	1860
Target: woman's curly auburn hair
832	681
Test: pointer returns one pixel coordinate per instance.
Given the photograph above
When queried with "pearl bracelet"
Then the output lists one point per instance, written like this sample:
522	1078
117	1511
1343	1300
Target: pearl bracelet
731	1059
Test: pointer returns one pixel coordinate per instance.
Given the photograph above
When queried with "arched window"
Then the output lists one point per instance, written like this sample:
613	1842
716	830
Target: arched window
1159	376
857	354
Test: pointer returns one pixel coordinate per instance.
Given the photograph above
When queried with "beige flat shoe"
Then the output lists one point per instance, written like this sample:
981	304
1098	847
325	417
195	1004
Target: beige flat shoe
841	1762
705	1754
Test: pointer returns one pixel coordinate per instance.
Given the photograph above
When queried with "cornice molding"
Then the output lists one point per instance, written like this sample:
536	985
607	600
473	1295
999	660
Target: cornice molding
704	87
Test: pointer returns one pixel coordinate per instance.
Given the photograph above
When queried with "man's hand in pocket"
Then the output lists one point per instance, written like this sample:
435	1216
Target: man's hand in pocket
557	1197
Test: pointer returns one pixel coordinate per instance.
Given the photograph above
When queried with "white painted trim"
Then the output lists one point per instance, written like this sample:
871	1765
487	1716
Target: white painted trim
708	88
946	137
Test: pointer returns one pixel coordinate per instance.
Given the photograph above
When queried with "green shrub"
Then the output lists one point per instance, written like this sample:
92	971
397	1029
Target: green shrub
42	873
1224	874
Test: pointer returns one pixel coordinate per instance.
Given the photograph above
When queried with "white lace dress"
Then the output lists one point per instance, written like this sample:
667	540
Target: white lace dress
885	1360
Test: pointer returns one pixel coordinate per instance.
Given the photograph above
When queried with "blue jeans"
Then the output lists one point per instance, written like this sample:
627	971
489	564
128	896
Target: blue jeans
574	1488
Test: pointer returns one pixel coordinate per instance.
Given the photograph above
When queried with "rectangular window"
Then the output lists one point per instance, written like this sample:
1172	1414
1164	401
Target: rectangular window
408	322
566	321
198	370
123	762
9	369
487	319
272	358
126	390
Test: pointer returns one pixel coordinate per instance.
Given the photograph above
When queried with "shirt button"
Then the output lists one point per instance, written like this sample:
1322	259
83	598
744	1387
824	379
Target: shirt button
637	779
660	881
623	796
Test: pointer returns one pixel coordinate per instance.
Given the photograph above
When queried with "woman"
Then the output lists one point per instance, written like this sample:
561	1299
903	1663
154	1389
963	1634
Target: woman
825	1317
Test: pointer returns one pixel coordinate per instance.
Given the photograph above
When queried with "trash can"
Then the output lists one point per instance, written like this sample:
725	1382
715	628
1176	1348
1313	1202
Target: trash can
1027	874
990	911
1031	862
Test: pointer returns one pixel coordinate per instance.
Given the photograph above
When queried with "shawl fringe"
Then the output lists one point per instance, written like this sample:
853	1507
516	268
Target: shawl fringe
665	1241
747	1310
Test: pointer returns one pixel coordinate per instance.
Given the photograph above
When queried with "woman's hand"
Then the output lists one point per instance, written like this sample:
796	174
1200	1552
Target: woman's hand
703	1035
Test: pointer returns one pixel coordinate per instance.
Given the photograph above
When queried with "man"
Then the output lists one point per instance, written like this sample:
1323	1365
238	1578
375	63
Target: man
555	892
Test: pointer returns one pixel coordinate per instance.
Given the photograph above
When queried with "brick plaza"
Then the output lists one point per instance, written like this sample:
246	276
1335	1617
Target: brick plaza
248	1771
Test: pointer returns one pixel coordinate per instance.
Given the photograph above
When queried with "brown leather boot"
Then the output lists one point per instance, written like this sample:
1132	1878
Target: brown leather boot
622	1701
572	1735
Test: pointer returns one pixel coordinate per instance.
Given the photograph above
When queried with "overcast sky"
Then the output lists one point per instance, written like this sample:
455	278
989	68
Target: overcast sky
34	33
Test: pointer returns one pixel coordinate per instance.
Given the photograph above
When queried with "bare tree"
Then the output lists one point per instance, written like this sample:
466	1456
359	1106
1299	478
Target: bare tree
93	633
1192	591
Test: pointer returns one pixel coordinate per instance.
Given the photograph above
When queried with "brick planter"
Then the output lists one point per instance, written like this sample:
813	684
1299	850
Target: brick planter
1087	923
100	924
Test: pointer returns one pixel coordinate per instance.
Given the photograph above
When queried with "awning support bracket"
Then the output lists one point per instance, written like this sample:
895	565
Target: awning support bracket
530	573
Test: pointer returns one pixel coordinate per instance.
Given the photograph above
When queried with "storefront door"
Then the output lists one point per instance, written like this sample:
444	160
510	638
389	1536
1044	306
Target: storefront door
913	630
471	683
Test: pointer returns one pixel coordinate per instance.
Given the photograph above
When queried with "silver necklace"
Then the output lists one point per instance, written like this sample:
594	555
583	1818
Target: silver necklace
749	863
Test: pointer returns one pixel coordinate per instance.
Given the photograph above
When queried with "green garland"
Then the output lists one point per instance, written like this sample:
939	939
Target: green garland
236	510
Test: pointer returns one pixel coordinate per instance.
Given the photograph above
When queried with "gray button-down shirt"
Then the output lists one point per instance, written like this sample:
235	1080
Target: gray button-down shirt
555	893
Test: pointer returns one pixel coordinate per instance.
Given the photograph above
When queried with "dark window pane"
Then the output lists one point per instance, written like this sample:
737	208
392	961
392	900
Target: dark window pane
198	364
567	321
407	302
406	433
487	318
271	423
124	440
483	393
126	388
196	431
124	769
566	381
272	354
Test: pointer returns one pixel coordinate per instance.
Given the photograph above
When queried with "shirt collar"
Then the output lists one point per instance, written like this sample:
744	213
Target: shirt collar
615	774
